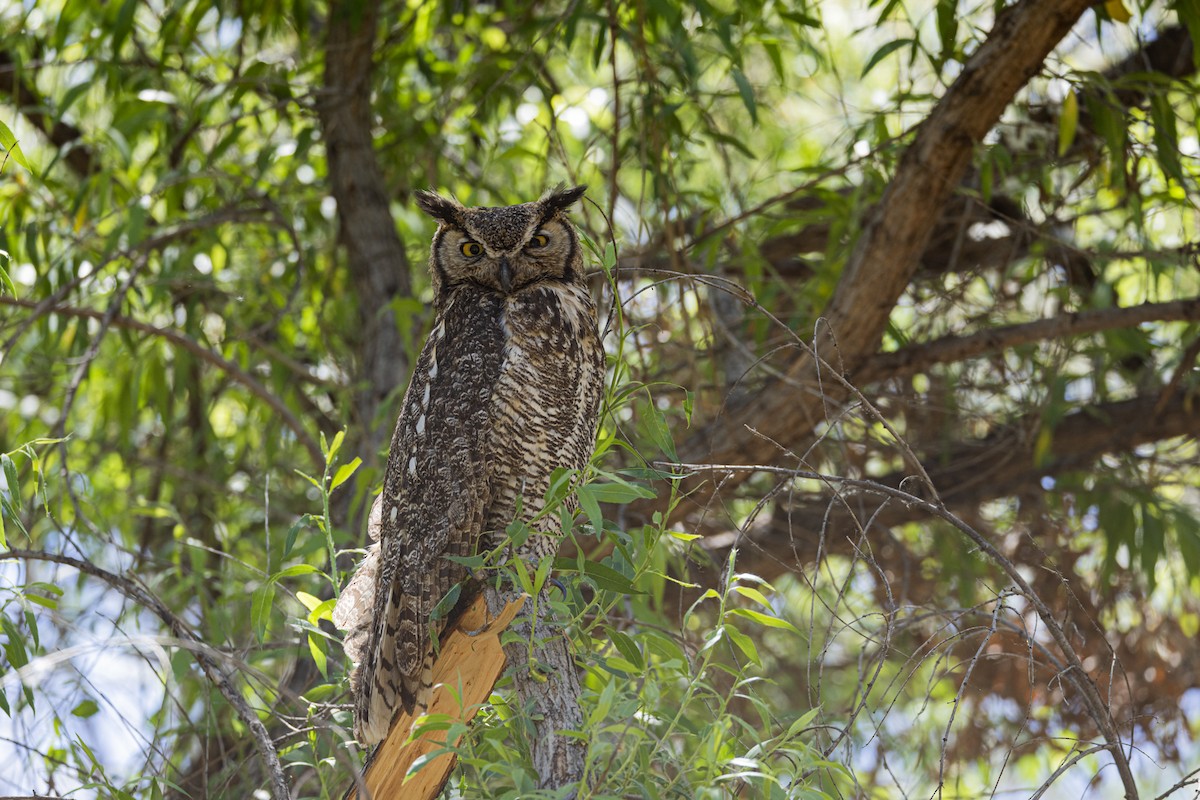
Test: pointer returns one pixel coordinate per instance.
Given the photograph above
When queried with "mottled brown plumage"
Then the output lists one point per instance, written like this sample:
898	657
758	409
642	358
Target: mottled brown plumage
506	389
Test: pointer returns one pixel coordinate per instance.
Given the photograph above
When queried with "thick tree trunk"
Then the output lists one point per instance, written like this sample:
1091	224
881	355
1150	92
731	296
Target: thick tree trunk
551	698
377	260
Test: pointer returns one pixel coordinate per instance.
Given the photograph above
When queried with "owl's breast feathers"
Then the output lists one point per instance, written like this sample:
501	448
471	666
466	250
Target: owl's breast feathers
546	403
506	390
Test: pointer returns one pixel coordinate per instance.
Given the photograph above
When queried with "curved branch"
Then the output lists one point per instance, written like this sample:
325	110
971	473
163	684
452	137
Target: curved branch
212	670
1001	465
888	252
204	354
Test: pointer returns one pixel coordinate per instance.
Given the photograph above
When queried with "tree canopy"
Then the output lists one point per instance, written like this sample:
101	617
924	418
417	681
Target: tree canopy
897	491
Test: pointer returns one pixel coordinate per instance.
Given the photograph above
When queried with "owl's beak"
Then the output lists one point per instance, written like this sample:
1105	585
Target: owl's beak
506	274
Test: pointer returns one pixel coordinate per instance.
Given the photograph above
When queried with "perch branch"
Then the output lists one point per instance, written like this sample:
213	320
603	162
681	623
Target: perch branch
470	660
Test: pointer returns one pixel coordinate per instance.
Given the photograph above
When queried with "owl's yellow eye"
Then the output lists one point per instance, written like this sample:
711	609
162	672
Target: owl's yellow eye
539	240
471	249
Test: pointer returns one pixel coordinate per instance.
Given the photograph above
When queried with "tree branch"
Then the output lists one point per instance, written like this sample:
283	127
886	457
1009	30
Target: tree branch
888	253
949	349
1003	464
1075	674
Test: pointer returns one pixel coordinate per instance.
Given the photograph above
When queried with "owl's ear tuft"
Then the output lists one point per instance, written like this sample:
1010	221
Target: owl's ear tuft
560	199
445	209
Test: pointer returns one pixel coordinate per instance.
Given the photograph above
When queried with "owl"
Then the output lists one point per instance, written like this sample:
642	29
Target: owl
506	389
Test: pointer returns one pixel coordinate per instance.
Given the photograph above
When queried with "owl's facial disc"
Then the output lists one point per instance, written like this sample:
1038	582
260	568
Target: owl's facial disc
544	251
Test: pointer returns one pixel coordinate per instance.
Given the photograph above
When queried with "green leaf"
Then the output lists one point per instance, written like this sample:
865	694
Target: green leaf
8	141
883	53
1117	11
744	643
85	709
1187	533
14	646
1068	122
307	600
1189	15
626	647
652	426
753	594
591	507
447	602
332	450
260	608
10	477
123	25
798	727
345	470
322	610
618	492
7	509
44	602
523	578
947	27
604	704
470	562
517	532
6	281
763	619
603	576
294	570
289	541
1166	137
1153	541
1117	522
316	647
747	93
308	478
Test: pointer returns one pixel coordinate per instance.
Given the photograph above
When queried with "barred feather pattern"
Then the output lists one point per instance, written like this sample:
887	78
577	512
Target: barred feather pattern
506	389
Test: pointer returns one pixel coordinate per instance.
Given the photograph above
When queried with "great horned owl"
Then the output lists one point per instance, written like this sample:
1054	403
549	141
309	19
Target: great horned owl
506	389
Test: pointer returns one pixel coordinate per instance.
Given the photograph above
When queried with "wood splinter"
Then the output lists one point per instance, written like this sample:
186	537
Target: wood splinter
468	665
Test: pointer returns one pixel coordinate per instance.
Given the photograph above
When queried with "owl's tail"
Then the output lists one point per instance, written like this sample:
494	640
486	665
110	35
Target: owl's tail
399	669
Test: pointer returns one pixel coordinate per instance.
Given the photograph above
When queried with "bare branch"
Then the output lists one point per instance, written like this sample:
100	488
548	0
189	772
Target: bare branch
1002	465
1075	674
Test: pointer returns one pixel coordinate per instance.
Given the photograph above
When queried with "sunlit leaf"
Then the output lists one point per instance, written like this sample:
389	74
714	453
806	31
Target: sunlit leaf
344	471
11	148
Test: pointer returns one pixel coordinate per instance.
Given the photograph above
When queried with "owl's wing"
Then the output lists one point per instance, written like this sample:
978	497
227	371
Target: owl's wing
433	504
